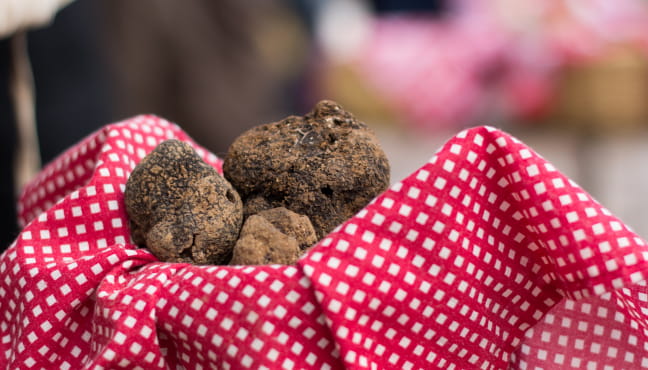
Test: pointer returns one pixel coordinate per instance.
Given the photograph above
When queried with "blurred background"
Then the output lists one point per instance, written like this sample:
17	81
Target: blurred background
567	77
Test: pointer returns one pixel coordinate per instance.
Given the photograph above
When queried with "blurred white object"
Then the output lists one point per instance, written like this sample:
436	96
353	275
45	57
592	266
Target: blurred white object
21	87
17	15
343	27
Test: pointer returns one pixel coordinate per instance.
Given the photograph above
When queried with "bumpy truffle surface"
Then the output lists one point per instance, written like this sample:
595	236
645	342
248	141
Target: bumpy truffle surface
274	236
326	165
292	224
180	208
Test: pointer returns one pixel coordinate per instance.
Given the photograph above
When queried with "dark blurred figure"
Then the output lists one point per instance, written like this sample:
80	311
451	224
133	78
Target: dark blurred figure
72	95
8	225
410	6
71	77
215	68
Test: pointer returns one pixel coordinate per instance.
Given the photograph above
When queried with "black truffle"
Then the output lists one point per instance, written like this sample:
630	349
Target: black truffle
326	165
181	208
274	236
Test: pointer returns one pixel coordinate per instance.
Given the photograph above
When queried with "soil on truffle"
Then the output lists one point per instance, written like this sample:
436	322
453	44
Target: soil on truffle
180	208
326	165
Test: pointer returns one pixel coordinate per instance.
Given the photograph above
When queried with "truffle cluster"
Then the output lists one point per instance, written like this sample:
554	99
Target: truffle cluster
286	185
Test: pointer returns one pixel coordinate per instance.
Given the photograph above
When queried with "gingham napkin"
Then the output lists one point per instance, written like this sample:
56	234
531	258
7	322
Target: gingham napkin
486	257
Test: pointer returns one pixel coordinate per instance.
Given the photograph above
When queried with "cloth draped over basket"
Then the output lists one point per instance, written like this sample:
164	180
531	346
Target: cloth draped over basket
486	257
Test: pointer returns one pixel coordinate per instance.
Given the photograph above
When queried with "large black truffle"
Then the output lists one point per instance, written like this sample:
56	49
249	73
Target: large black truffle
180	208
326	165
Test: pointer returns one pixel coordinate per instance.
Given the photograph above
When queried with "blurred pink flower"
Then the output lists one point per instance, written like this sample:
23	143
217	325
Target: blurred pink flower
488	58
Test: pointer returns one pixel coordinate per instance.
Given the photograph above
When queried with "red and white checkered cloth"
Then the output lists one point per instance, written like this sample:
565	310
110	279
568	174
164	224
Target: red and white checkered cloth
486	257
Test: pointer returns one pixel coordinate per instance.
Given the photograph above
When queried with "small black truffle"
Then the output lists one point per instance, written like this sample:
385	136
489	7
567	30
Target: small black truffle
274	236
